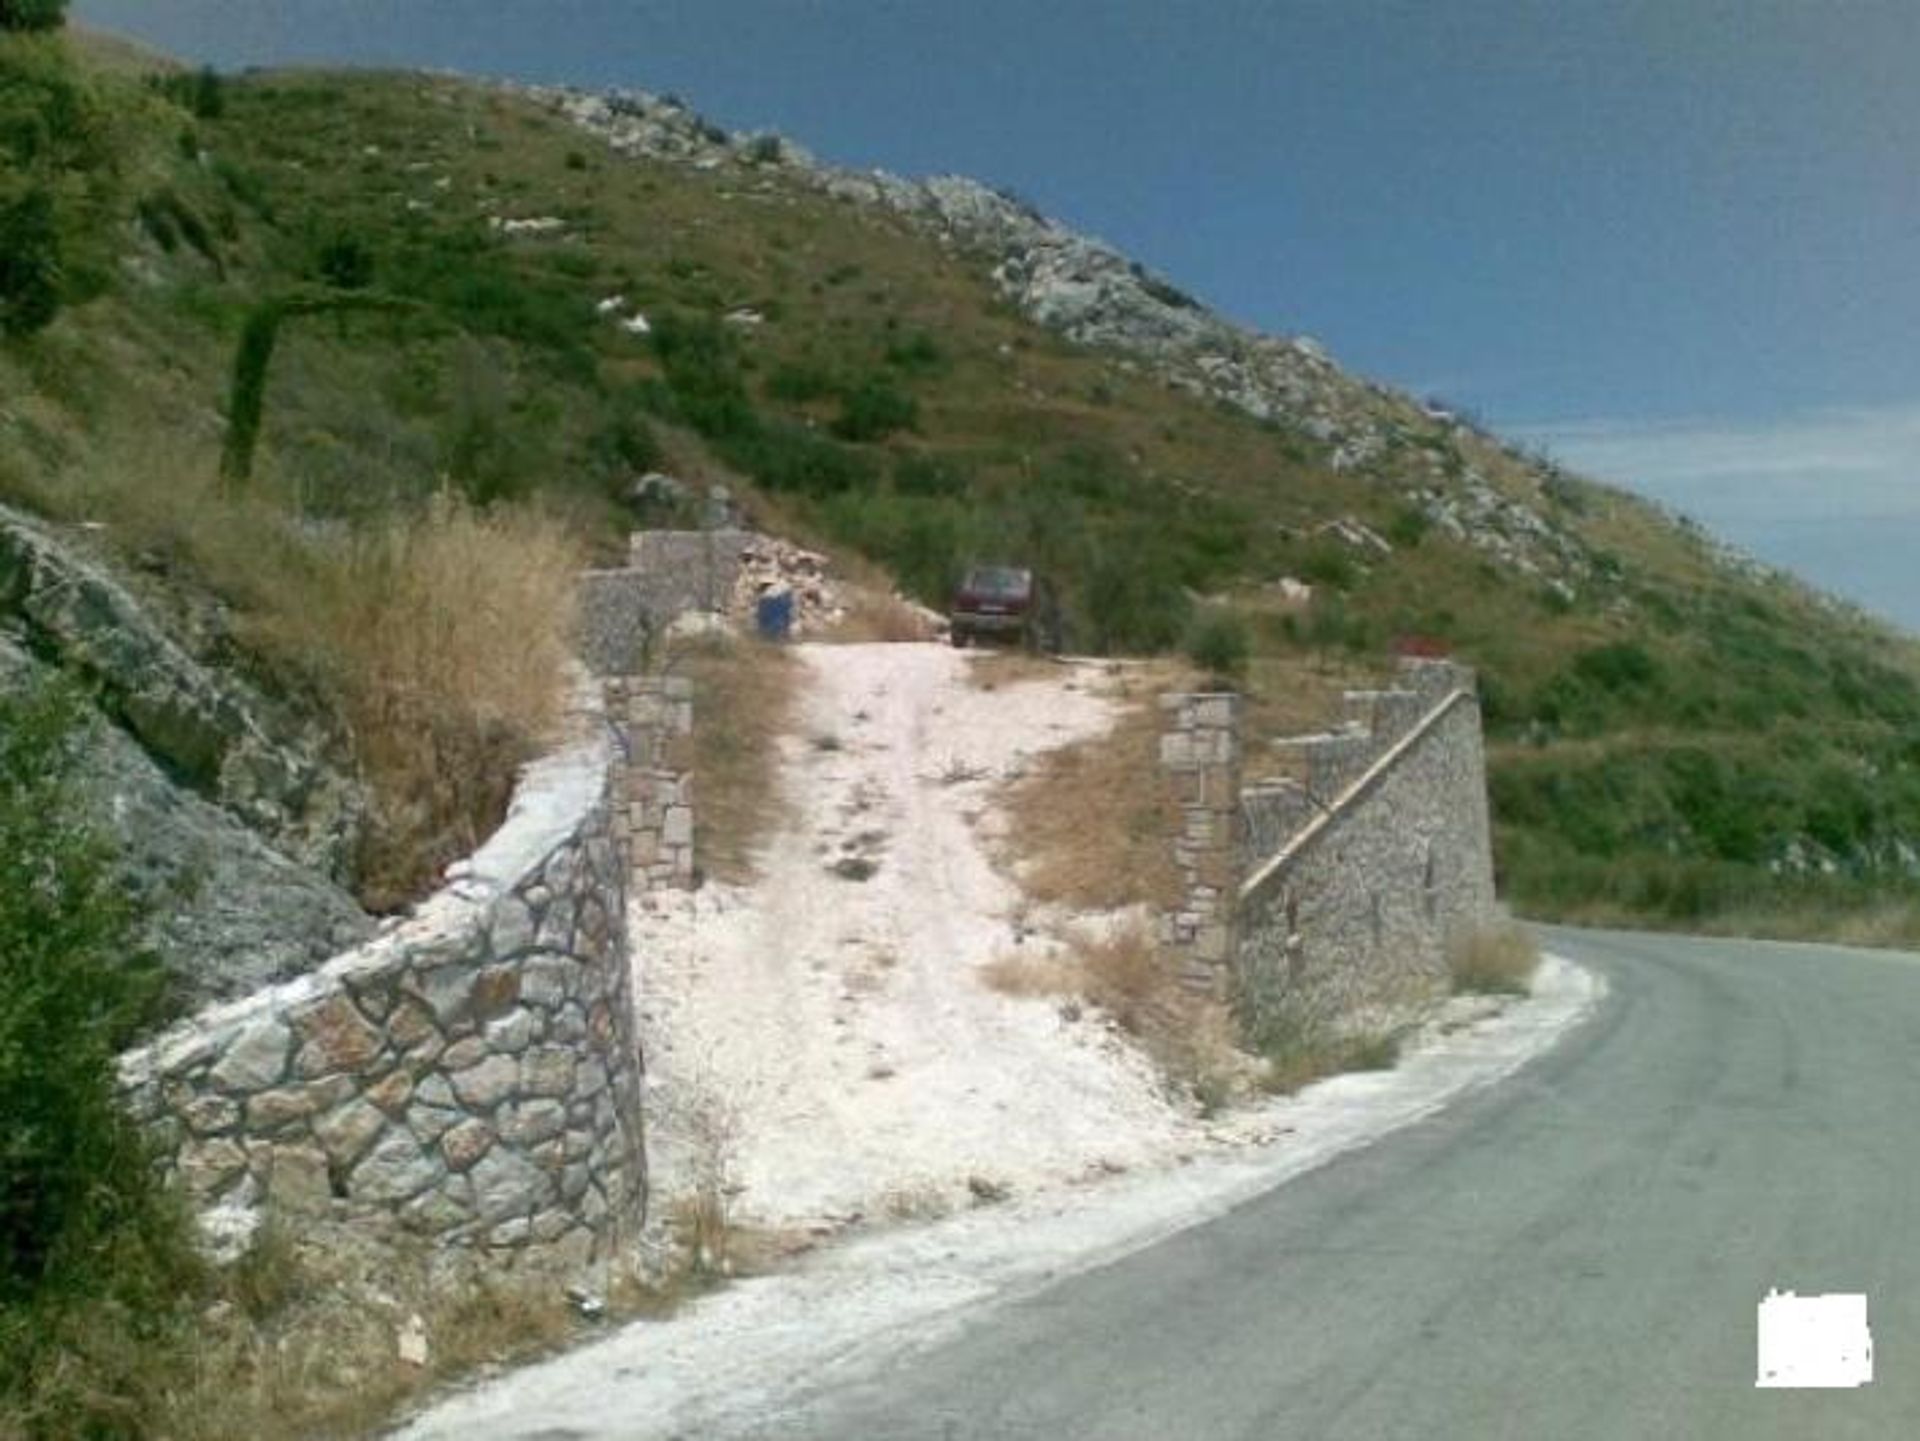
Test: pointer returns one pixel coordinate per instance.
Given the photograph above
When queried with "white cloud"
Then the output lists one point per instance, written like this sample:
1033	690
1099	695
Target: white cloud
1831	494
1820	466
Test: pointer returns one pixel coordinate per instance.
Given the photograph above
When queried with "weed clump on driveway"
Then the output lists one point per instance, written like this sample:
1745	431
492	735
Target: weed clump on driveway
1496	959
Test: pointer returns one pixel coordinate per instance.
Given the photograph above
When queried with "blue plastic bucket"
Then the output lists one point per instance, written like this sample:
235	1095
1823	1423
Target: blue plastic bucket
773	615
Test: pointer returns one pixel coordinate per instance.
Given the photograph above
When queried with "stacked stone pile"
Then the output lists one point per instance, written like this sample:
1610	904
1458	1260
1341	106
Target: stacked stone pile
770	566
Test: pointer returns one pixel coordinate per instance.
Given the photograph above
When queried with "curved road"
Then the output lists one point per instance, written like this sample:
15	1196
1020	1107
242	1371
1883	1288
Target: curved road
1576	1252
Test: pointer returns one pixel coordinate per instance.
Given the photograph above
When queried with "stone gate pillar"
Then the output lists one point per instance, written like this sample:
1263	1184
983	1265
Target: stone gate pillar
658	785
1201	751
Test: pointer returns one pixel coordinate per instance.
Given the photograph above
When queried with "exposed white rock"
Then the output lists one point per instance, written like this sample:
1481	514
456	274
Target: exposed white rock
226	1232
529	225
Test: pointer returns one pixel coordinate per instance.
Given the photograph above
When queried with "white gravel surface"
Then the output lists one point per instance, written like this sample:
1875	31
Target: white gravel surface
826	1039
748	1359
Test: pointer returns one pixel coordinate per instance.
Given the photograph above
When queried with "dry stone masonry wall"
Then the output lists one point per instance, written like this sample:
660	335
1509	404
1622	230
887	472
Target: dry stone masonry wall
469	1077
669	573
1332	891
689	570
1352	914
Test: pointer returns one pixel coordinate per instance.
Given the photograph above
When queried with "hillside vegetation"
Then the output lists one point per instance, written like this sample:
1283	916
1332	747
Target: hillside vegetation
448	273
345	375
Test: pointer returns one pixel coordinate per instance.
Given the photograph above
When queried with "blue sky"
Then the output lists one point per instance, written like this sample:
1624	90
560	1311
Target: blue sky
1675	242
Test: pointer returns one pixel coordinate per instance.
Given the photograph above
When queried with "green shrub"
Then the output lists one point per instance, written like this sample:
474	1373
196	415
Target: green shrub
924	540
1328	563
1217	640
626	445
918	473
799	382
201	93
345	261
1130	601
57	183
471	279
703	372
32	14
1333	625
873	410
169	220
157	220
82	1214
1408	527
1624	665
794	460
244	186
917	352
29	262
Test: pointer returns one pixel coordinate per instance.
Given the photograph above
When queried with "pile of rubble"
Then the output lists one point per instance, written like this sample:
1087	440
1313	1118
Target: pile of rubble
770	566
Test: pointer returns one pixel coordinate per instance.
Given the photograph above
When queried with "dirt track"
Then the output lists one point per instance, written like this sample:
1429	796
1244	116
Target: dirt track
823	1032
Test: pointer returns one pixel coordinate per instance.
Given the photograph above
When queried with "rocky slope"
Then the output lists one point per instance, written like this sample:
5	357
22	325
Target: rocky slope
922	374
1095	296
232	824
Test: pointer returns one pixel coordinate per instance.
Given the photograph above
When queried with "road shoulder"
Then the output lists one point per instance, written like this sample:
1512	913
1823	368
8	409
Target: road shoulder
767	1346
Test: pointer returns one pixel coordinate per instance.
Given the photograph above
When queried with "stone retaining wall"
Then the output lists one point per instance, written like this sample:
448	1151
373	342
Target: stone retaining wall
669	573
689	570
470	1076
1353	914
1334	890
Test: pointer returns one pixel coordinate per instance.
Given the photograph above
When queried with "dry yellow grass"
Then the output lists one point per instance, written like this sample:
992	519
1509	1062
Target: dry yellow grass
301	1340
1497	958
1308	1040
1288	696
1294	1067
445	639
879	615
1035	973
1092	825
744	694
991	669
437	640
1126	975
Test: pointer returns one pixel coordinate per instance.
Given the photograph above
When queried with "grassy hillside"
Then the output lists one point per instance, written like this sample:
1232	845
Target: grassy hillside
1677	738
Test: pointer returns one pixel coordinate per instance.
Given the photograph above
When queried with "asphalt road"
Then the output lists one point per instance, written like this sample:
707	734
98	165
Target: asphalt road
1576	1252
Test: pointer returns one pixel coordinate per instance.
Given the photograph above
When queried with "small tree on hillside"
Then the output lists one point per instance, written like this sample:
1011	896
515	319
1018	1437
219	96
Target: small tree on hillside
29	261
32	14
57	180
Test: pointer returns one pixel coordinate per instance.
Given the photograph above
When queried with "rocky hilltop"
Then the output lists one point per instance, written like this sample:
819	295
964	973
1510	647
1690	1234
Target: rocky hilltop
1094	295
